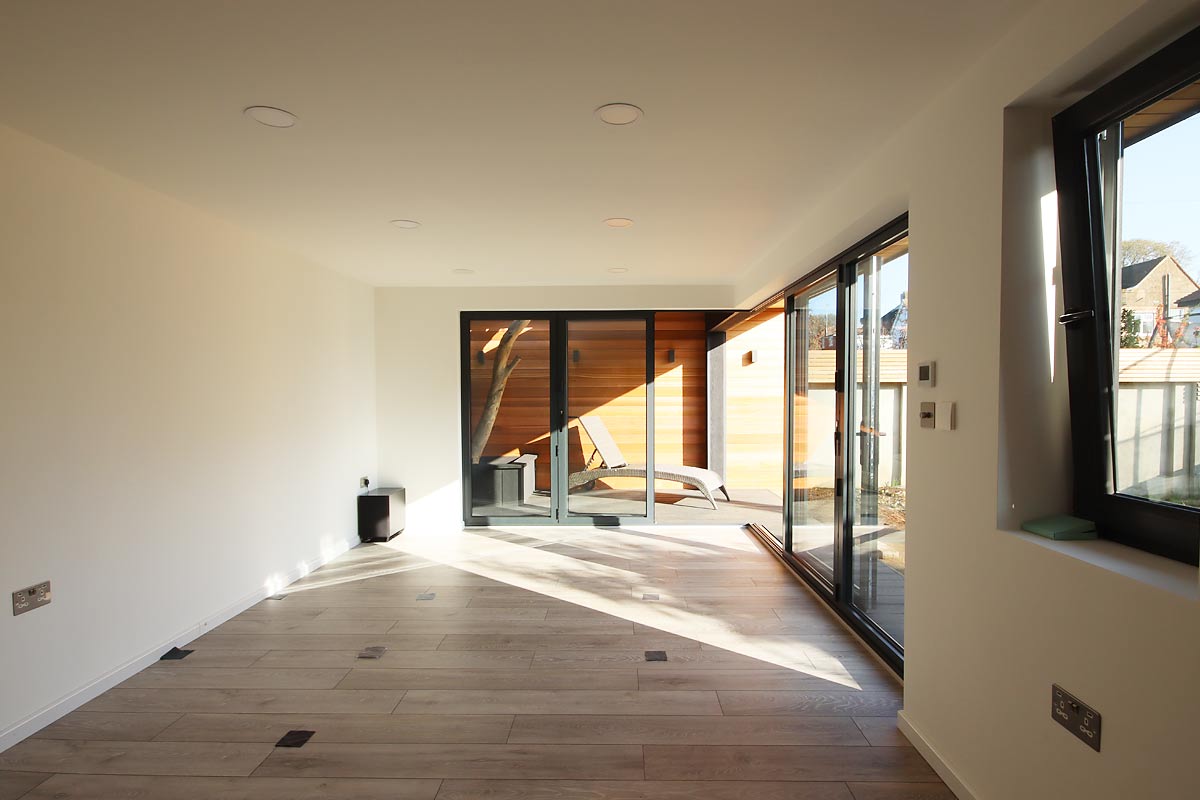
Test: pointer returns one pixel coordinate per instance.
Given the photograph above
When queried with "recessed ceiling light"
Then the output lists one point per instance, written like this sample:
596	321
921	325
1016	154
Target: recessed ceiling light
462	271
618	270
618	222
270	116
407	224
619	113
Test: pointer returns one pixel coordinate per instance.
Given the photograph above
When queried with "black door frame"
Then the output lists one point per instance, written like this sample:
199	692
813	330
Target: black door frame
559	511
840	594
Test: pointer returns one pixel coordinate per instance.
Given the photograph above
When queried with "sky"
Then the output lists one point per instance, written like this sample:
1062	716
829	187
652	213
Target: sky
1161	189
893	280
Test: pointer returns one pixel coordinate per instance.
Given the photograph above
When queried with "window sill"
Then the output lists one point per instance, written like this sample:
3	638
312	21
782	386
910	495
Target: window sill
1161	573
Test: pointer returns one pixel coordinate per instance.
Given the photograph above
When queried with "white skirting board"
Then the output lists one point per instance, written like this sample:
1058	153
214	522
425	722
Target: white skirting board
930	754
73	700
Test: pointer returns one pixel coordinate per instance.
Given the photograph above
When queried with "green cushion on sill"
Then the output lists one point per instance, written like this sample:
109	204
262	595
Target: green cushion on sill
1062	527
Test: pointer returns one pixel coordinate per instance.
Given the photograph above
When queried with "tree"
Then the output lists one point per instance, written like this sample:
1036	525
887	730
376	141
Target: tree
1129	329
502	368
1135	251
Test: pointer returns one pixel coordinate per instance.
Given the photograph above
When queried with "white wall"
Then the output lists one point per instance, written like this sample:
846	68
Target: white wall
417	368
994	617
184	416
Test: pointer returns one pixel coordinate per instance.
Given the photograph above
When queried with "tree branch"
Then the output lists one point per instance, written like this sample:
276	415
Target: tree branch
502	368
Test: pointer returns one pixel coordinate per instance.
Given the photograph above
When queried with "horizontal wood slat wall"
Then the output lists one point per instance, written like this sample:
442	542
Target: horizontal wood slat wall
607	380
1159	365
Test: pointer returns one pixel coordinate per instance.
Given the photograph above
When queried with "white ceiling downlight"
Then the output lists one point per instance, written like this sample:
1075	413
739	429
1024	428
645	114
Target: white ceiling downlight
618	222
618	270
270	116
406	224
619	114
463	271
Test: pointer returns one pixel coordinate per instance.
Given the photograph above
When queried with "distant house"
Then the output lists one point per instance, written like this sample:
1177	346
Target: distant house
1142	287
1190	305
894	325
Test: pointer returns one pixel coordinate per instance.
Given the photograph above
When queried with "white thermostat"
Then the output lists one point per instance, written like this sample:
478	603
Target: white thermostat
927	374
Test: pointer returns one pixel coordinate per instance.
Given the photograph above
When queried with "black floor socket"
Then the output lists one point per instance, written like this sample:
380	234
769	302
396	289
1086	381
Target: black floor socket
656	655
295	739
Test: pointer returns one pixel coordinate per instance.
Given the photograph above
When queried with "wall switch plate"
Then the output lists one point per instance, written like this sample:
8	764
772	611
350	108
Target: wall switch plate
928	415
30	598
1081	720
945	415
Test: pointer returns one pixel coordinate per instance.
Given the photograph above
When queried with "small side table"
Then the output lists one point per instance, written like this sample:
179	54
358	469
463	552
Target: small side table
380	514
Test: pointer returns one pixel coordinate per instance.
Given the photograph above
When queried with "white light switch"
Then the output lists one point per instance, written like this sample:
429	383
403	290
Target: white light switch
945	415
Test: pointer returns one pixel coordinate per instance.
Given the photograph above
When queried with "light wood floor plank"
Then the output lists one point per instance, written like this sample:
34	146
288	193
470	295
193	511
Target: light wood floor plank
583	762
488	679
231	659
819	703
421	701
785	763
120	727
677	660
281	701
399	659
134	758
342	728
372	626
249	678
139	787
431	612
350	599
639	790
596	729
744	679
315	641
513	627
566	641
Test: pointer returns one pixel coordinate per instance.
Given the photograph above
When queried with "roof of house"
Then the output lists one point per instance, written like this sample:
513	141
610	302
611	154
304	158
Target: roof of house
1192	299
1134	274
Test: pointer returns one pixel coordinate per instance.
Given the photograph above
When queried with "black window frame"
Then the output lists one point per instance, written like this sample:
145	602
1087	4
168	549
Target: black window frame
1165	529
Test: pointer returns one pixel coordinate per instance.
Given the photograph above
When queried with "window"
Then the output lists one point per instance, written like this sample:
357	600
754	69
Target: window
1128	178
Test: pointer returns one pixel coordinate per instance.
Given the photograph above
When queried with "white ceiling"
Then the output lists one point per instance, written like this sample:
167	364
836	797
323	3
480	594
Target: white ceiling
476	118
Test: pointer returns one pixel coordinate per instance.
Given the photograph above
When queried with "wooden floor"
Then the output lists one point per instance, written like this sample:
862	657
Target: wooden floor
516	667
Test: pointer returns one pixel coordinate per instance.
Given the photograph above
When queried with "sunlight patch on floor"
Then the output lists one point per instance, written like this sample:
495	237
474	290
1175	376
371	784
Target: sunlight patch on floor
611	590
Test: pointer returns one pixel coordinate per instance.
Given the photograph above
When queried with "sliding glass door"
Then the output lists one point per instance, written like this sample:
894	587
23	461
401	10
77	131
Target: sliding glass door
876	410
508	427
815	339
608	437
557	417
847	379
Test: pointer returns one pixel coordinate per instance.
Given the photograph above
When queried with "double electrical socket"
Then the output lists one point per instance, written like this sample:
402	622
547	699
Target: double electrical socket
1080	719
30	598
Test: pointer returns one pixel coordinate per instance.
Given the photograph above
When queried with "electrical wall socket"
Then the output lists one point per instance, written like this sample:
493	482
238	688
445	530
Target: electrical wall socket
1081	720
31	597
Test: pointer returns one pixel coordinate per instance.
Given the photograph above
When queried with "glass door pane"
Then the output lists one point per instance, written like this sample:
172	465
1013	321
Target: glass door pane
755	391
876	468
607	417
814	421
510	418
